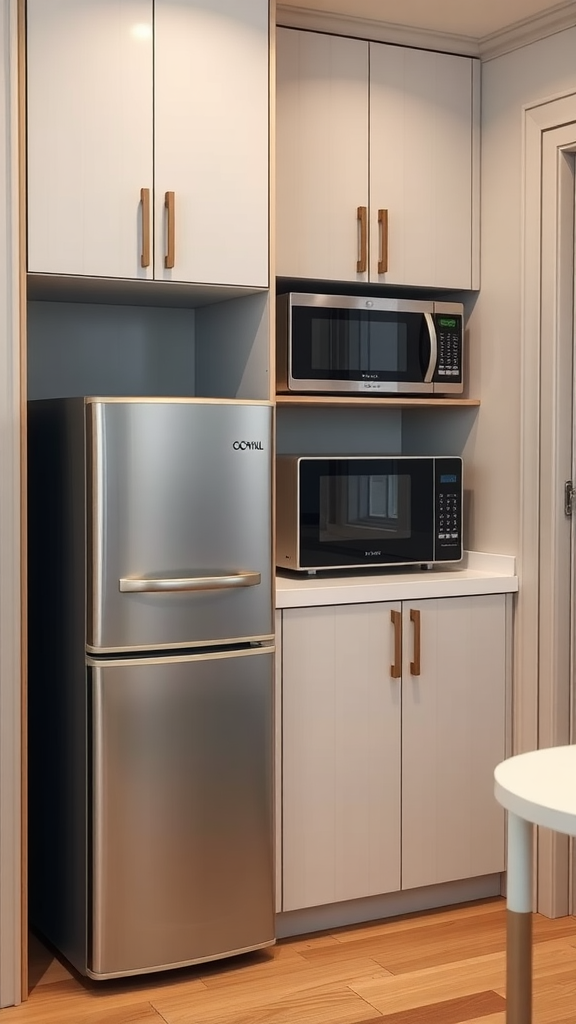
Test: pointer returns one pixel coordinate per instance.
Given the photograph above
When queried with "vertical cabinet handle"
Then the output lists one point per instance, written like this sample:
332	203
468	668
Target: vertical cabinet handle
145	203
170	245
383	256
396	668
362	264
415	665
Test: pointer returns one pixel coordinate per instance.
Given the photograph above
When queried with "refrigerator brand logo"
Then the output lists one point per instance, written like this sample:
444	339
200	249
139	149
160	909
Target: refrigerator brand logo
241	446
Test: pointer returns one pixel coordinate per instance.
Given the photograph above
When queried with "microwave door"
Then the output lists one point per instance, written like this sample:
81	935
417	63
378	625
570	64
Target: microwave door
376	351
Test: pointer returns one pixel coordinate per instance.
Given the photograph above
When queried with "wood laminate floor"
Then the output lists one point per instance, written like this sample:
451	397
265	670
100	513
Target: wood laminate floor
440	967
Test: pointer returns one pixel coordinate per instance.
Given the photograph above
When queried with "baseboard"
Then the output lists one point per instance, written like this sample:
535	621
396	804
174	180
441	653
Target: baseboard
374	908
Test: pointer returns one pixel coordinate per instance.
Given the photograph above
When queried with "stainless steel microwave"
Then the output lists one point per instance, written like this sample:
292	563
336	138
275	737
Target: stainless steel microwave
336	512
370	346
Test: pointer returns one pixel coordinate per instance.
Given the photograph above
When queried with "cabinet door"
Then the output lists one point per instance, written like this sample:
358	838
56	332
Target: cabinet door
89	135
453	736
211	140
321	154
341	755
421	166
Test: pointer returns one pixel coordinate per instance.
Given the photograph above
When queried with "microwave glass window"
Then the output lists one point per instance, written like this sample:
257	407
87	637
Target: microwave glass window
359	345
367	507
363	511
351	344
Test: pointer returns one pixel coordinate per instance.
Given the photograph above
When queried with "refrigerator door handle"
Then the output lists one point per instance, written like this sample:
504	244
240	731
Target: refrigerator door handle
151	585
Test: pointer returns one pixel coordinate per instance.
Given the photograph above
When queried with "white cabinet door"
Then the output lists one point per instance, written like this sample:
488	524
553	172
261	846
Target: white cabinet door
453	736
211	140
387	128
341	755
89	135
421	166
321	154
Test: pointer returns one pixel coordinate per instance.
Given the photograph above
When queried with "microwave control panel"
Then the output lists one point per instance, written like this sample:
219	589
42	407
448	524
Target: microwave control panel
448	508
449	341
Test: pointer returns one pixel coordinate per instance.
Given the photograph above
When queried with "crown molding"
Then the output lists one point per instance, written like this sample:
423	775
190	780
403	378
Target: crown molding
530	30
496	44
379	31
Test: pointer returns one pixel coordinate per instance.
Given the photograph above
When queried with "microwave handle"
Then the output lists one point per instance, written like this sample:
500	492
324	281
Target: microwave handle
433	348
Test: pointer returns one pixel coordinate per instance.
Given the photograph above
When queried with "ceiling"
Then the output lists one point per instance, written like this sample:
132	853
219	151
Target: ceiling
475	19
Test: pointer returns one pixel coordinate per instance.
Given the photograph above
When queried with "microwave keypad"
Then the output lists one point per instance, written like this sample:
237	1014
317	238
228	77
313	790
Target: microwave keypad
448	509
449	348
448	528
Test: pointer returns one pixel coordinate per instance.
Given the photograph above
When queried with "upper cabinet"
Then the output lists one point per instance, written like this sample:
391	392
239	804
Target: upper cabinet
377	162
148	139
321	154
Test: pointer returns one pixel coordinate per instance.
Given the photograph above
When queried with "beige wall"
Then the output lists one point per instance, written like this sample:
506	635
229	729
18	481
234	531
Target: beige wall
534	73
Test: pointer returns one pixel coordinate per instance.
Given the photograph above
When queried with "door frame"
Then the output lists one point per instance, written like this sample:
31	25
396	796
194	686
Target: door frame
542	676
12	396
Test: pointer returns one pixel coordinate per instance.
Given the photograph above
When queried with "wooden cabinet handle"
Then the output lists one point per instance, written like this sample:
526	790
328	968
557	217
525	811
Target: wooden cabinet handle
415	665
170	244
396	668
362	264
145	203
383	257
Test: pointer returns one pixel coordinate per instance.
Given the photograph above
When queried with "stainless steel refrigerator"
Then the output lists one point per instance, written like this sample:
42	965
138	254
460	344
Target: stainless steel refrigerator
151	680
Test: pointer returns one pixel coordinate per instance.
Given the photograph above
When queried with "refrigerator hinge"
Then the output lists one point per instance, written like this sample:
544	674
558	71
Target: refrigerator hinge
568	498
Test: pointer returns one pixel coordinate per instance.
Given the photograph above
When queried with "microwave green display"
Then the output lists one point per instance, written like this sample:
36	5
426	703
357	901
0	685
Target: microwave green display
447	321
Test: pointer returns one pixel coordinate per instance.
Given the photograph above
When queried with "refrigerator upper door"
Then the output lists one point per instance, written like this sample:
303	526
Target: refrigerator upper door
181	793
179	523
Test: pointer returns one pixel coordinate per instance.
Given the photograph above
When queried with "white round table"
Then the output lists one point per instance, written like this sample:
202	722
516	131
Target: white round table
538	788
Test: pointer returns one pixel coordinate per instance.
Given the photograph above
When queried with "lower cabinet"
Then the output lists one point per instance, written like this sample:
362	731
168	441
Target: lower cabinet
393	719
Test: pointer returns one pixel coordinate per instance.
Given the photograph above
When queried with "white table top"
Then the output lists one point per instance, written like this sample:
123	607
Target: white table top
540	787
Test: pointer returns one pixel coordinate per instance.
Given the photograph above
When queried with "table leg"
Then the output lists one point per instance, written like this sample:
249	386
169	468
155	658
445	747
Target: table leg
519	922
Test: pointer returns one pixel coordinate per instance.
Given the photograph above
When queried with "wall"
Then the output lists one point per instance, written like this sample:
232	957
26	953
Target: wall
83	349
539	71
340	431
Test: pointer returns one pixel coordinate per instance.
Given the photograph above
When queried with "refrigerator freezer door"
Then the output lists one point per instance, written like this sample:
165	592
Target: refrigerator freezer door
179	524
182	865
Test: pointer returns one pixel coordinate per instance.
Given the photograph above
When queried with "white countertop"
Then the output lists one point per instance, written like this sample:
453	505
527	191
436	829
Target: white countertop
478	573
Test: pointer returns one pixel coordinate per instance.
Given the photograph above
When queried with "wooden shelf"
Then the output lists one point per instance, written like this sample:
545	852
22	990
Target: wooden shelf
391	403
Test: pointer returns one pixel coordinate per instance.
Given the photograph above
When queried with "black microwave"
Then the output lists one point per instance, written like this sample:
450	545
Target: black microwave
338	344
336	512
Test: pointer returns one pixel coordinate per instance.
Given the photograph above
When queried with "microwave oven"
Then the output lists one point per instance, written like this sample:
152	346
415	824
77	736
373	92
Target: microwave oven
338	344
347	512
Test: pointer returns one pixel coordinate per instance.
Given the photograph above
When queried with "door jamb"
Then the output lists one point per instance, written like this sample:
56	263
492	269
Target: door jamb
541	679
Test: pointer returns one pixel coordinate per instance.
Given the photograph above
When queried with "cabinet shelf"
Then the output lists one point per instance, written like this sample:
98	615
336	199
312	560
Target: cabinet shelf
391	403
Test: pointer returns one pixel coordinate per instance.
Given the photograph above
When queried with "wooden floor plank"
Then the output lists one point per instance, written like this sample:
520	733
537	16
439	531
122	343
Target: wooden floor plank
555	997
449	1011
493	1018
238	995
336	1005
426	945
425	918
432	967
460	978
